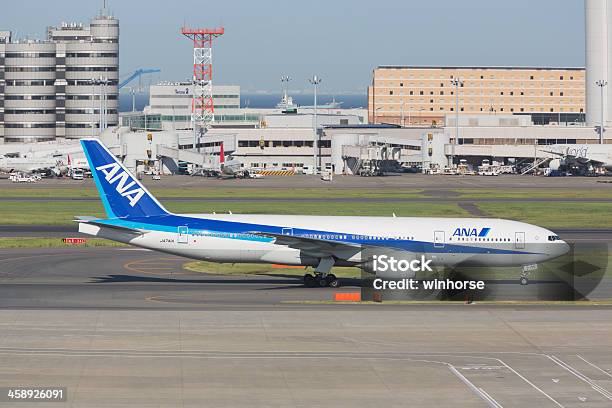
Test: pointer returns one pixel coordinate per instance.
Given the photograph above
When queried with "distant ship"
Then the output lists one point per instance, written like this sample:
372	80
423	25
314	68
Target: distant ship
287	105
332	105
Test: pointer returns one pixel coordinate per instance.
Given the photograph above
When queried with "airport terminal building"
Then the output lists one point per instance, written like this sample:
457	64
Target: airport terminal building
172	101
52	88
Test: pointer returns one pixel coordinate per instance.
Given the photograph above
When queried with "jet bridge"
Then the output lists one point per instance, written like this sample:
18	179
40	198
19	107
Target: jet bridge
370	160
184	155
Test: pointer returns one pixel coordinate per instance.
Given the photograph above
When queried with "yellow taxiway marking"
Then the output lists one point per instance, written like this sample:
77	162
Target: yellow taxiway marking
142	266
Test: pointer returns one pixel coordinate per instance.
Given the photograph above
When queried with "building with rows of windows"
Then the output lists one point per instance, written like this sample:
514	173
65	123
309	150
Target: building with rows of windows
413	95
173	100
52	88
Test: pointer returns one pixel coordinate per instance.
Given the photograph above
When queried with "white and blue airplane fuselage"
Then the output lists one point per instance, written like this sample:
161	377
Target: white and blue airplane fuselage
137	218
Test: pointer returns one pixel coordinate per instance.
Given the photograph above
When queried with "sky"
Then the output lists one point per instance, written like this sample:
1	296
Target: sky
341	41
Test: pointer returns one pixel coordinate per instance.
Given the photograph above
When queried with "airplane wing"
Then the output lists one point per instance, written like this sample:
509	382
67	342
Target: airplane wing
39	169
571	157
556	153
585	160
313	246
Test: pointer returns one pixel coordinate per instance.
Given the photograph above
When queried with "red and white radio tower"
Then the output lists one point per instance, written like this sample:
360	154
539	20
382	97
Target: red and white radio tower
202	108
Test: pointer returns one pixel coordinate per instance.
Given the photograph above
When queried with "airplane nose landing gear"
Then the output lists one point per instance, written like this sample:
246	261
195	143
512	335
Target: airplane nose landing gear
527	269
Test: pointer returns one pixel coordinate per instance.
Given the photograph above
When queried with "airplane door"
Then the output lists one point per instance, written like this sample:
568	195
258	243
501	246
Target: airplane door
439	239
287	231
519	240
183	235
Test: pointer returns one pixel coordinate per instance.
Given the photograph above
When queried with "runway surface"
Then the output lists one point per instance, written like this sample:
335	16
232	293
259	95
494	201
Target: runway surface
121	327
495	358
127	278
131	278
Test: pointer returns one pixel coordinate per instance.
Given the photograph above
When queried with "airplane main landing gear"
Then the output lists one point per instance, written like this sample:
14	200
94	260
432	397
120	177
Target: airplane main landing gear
322	277
332	281
320	280
310	281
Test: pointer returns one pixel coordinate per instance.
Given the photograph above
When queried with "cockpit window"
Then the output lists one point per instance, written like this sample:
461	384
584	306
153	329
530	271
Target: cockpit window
554	238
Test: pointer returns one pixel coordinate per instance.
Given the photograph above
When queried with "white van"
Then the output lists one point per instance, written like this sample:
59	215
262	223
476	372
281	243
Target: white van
77	174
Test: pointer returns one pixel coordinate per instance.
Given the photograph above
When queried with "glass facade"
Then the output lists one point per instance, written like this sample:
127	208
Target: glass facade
145	122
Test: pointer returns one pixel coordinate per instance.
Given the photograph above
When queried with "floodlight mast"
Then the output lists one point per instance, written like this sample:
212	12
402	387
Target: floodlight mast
601	84
457	83
202	106
315	81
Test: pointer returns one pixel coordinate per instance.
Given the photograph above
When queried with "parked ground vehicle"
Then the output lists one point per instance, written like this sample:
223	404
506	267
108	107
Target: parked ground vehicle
23	178
77	174
487	171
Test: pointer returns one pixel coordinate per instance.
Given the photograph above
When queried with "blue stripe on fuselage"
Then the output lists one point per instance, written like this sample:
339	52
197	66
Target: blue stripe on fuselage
200	226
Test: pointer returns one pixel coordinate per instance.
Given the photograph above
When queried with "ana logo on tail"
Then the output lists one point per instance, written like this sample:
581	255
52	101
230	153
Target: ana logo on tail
113	173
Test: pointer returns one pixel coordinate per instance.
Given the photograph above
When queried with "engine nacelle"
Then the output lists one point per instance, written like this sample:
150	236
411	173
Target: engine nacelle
555	164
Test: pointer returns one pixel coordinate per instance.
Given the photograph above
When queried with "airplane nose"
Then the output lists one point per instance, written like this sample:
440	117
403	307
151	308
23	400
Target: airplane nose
561	248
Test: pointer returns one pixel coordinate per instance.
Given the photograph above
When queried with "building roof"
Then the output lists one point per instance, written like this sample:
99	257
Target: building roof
364	126
478	67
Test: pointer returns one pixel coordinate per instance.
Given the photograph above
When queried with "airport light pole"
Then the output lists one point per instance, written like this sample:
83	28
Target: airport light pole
315	81
285	85
457	83
102	104
93	107
376	113
102	82
402	107
101	121
601	84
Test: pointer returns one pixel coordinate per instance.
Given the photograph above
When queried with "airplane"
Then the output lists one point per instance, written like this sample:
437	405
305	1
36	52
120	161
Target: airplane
77	163
53	164
232	167
136	217
31	165
585	156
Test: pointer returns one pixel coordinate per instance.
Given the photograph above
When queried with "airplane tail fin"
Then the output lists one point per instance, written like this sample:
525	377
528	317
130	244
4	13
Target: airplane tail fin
121	193
221	155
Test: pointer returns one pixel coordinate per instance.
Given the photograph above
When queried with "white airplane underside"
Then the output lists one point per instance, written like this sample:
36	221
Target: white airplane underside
137	218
